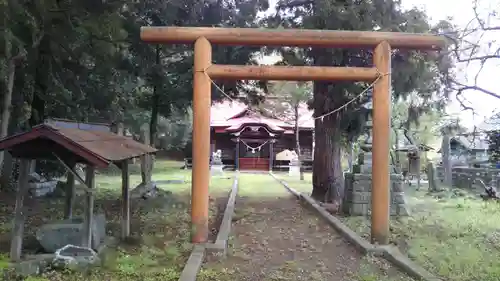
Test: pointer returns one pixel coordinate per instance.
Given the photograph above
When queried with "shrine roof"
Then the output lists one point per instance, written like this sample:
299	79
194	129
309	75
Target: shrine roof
234	115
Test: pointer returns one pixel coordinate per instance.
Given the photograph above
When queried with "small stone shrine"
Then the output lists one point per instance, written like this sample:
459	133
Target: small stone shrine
358	185
216	167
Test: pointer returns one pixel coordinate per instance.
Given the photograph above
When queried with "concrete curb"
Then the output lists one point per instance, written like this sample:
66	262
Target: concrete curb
219	248
364	246
393	255
389	252
193	264
293	191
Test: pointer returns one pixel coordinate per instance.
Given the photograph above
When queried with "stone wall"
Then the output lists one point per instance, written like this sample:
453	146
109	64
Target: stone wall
357	196
464	177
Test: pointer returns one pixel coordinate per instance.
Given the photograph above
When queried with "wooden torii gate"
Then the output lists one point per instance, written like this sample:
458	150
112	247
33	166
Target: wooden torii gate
204	71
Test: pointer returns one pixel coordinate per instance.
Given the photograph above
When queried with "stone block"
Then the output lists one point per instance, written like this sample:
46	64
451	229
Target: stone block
54	236
361	197
360	209
365	169
357	197
398	198
397	186
362	186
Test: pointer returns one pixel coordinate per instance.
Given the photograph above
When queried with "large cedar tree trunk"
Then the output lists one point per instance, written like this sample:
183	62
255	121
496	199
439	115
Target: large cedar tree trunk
328	182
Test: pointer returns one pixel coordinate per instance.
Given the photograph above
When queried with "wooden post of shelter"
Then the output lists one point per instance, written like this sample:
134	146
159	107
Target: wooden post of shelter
16	244
146	158
125	199
202	37
89	206
70	192
118	129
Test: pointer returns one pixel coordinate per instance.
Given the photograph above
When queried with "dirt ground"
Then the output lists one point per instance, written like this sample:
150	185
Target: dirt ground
279	239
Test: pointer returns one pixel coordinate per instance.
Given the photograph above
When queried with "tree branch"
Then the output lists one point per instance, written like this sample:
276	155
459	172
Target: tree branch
293	4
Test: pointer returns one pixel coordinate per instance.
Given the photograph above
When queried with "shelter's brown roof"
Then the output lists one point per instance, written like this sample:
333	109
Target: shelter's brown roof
98	148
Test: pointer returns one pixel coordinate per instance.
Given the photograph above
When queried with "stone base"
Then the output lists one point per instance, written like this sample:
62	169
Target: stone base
144	190
217	170
357	199
294	171
367	169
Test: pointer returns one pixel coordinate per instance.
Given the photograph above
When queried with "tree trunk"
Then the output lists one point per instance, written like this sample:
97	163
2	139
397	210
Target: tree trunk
7	103
297	140
154	111
43	65
431	177
155	103
445	152
328	181
8	165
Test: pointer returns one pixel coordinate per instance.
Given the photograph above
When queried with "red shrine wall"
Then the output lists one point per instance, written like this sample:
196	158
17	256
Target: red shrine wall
250	148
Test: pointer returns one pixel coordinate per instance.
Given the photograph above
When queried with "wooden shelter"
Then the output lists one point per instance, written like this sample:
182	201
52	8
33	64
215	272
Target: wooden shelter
71	146
204	70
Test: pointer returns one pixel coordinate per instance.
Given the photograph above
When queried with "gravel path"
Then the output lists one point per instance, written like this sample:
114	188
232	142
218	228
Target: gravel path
279	239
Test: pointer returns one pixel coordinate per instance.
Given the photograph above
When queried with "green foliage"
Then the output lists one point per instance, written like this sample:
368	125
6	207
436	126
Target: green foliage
423	127
413	73
175	132
494	145
287	97
85	61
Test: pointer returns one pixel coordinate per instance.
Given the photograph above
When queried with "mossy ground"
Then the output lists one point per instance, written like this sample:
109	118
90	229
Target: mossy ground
159	245
453	234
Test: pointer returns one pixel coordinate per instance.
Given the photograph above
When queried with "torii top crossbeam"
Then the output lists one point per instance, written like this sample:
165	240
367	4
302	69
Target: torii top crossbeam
292	37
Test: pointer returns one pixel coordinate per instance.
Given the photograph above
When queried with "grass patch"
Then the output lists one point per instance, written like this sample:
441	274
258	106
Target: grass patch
453	234
160	229
261	186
